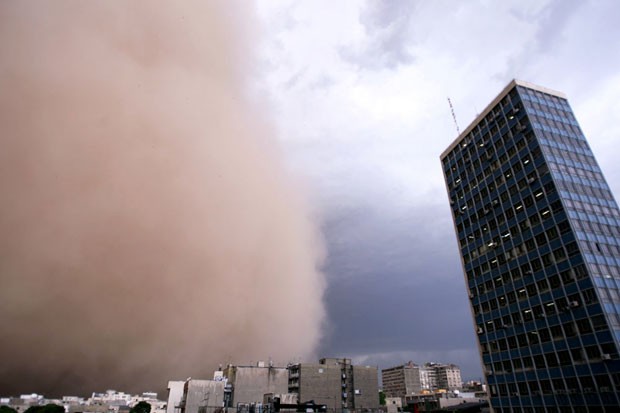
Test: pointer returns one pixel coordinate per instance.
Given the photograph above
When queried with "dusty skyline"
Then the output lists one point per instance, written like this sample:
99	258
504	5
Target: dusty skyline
358	93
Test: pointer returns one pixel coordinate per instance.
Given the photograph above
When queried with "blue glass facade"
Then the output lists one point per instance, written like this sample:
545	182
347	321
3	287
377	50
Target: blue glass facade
539	236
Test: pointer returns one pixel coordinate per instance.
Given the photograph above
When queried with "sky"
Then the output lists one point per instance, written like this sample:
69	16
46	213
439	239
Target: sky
356	95
359	93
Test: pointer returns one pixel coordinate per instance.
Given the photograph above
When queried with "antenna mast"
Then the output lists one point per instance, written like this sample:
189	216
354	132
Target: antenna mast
458	131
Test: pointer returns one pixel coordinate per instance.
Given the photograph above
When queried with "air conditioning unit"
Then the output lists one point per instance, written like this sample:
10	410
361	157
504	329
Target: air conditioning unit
536	393
605	389
471	295
587	390
606	356
573	304
480	330
515	393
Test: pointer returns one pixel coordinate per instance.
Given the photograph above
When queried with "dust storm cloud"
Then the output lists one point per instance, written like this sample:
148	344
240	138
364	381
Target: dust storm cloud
147	228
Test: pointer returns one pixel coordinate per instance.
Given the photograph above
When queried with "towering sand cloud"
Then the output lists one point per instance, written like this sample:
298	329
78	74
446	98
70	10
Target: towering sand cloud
147	229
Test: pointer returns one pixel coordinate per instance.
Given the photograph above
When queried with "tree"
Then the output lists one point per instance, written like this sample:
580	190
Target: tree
7	409
48	408
381	398
141	407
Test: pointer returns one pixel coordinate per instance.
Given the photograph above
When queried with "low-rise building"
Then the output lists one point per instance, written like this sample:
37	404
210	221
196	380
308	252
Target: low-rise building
248	384
436	376
394	404
175	395
401	381
448	377
335	383
202	396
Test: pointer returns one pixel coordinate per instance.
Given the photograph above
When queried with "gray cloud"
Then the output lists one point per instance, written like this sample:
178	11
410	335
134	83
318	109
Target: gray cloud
388	38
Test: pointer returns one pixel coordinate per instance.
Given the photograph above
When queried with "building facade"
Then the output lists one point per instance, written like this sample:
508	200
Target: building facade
249	384
437	376
539	236
175	395
335	383
201	396
401	381
448	376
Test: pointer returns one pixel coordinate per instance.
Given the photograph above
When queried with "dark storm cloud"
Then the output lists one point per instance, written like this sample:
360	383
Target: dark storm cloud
404	295
396	289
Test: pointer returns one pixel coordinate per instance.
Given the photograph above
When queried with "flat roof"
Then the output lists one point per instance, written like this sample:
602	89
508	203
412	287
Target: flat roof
487	109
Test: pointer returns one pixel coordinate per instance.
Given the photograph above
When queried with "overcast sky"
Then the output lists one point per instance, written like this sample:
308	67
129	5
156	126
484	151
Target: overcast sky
359	93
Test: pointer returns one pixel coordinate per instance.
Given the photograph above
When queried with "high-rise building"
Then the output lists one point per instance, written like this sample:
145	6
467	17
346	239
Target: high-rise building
539	235
401	381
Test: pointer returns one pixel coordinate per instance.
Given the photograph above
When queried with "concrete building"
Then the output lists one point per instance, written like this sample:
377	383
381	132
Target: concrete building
202	396
24	401
111	397
539	236
394	404
401	381
175	395
428	378
448	376
335	383
437	376
248	384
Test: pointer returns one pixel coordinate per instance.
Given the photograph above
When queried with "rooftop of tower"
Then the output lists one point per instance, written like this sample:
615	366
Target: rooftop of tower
498	98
